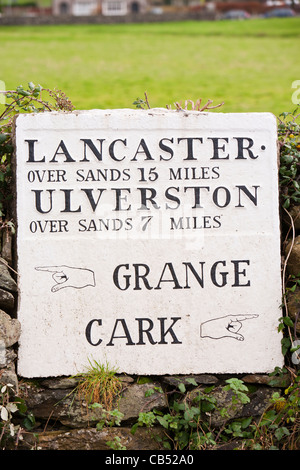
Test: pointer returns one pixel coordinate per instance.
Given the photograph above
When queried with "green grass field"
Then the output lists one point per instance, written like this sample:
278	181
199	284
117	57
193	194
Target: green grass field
250	65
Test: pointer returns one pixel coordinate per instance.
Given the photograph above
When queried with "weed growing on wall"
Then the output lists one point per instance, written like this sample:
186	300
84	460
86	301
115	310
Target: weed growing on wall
99	384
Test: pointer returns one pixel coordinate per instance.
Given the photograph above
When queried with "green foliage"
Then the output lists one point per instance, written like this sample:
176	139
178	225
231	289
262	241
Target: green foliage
188	420
289	144
239	390
116	444
279	426
289	185
109	418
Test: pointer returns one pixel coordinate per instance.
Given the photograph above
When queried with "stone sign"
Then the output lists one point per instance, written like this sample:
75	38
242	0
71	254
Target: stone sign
148	240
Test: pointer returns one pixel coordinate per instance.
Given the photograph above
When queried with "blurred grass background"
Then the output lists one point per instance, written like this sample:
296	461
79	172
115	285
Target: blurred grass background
250	65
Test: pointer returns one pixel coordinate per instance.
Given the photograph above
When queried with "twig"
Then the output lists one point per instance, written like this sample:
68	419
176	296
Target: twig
146	101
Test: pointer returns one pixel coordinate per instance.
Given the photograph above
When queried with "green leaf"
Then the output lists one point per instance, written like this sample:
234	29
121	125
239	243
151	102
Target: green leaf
246	422
163	421
287	321
24	93
134	428
285	345
286	203
192	381
182	388
281	432
207	406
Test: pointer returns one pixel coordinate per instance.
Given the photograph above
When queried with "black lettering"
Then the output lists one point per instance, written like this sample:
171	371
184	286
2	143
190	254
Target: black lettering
246	191
145	198
89	193
125	276
119	199
238	273
197	203
64	151
111	149
126	331
216	197
31	158
190	146
170	331
88	332
145	330
171	197
241	148
93	148
200	280
165	148
67	208
144	151
216	148
223	274
139	276
38	205
173	277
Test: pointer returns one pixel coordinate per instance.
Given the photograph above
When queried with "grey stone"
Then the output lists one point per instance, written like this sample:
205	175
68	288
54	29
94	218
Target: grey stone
224	399
92	439
273	381
259	401
6	280
69	410
10	329
6	251
6	300
199	379
60	382
60	405
7	356
134	400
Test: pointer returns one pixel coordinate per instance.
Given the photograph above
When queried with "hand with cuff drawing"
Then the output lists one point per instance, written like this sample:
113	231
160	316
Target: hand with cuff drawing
66	276
225	327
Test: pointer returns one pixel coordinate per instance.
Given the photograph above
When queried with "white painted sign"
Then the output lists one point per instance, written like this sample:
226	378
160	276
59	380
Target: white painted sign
149	240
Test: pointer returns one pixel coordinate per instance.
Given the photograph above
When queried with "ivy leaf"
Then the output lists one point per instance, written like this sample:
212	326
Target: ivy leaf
288	322
162	421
